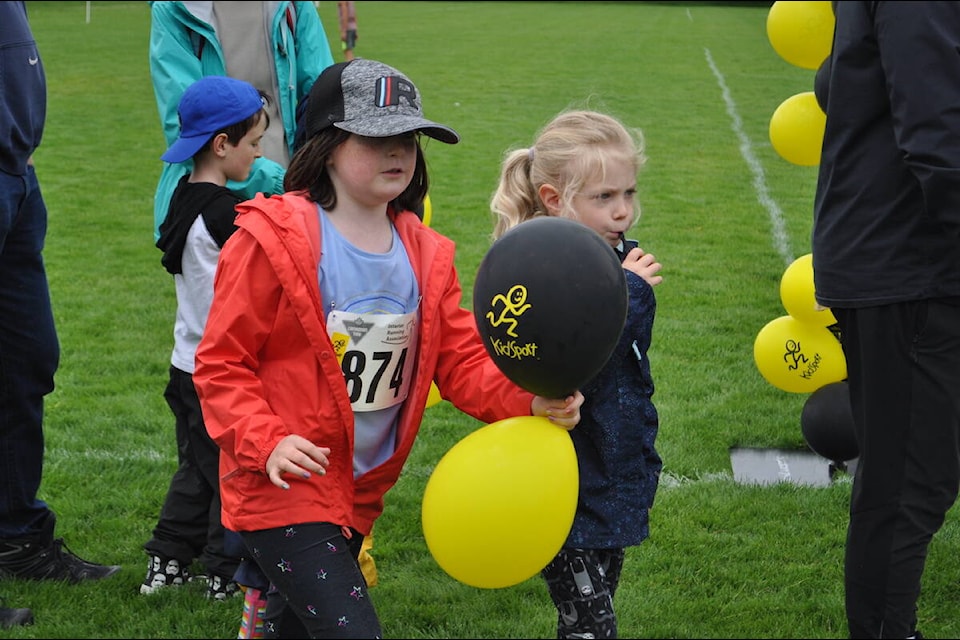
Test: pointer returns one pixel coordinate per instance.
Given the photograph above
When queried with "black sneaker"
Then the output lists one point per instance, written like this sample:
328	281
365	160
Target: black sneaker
15	617
56	562
43	557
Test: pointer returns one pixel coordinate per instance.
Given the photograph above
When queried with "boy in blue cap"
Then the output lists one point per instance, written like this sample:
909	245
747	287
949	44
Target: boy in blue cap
222	122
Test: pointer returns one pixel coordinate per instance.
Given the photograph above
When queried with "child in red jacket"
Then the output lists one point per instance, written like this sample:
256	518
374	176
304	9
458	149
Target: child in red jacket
334	310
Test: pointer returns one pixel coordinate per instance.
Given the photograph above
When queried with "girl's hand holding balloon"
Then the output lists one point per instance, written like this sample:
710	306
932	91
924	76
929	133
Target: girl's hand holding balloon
563	412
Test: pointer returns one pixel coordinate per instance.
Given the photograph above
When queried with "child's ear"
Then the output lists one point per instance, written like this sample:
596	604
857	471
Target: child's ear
550	197
219	144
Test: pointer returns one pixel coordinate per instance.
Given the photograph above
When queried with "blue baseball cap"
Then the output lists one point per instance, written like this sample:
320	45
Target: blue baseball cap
210	105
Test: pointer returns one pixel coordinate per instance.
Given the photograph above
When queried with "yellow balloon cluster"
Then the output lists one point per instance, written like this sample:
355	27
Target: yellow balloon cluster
802	33
500	503
798	352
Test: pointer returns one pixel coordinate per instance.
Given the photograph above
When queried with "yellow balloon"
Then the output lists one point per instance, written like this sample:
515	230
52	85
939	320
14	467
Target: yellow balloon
798	357
427	210
801	32
500	503
434	397
797	293
796	129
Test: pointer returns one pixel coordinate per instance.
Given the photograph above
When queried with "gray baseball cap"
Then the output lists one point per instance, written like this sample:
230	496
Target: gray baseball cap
370	99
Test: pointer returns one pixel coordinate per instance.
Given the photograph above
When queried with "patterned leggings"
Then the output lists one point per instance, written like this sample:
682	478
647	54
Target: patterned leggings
582	583
317	589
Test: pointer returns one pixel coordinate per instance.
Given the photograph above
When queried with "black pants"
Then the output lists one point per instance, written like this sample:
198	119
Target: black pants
189	526
582	583
316	587
903	363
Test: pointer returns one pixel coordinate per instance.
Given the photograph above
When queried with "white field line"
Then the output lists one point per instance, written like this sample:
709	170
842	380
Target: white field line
780	240
673	481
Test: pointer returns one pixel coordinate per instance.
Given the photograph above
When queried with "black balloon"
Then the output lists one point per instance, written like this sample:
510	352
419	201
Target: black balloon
550	301
827	423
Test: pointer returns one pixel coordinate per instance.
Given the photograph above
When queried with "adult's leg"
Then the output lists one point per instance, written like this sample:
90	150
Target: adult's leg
29	354
904	373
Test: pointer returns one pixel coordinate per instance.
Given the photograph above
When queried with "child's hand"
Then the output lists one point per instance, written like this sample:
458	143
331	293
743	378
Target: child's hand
295	454
563	412
644	265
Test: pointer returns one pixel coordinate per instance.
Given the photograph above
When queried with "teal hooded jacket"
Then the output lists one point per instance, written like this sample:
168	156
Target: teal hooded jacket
184	48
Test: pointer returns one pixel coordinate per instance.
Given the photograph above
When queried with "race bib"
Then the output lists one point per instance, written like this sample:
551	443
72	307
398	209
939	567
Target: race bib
376	354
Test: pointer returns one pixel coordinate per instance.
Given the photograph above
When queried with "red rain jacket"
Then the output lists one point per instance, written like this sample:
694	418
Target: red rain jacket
266	368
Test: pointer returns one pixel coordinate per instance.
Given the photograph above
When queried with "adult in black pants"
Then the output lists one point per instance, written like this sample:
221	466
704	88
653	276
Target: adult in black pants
886	259
29	348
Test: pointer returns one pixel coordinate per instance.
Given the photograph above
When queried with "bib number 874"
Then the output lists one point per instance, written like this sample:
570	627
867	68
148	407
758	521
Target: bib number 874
381	377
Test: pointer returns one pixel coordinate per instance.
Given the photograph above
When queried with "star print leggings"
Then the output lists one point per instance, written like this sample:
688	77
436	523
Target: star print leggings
317	589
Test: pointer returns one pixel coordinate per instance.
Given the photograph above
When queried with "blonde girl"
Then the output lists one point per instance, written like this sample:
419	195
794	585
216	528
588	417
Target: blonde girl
583	165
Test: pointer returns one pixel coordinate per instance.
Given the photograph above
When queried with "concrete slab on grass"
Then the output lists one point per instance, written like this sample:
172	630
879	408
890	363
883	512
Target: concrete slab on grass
770	466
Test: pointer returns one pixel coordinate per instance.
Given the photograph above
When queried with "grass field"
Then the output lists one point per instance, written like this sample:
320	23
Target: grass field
721	210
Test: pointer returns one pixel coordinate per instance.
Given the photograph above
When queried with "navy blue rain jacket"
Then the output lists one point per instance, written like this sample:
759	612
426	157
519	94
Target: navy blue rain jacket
619	466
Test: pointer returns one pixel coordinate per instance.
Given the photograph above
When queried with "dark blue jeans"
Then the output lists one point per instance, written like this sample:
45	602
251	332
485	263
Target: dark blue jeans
29	352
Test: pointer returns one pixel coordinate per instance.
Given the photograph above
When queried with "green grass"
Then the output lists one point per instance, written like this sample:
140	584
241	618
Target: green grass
724	560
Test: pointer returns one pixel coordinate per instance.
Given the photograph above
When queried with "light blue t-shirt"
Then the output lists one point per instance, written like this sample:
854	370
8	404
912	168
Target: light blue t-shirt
356	281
